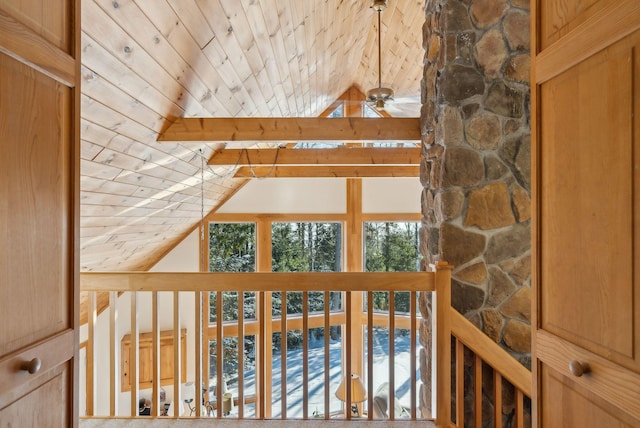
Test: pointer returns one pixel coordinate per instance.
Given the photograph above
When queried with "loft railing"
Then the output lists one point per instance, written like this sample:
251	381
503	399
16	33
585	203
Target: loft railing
357	318
506	382
498	381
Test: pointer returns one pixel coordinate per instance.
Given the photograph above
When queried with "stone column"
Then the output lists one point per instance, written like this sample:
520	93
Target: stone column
476	165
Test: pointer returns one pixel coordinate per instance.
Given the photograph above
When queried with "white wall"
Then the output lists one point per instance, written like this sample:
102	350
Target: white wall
324	195
391	195
289	195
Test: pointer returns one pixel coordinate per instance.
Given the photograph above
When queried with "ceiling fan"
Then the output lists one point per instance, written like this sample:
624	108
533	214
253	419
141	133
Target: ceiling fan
378	96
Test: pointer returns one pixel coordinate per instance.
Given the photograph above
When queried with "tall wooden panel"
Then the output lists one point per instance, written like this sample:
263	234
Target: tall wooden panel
587	227
39	125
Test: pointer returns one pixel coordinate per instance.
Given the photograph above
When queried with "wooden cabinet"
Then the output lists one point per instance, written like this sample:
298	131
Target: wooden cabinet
587	226
39	125
145	359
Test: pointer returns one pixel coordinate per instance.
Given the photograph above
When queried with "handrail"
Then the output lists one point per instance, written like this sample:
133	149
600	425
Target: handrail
490	352
259	281
263	284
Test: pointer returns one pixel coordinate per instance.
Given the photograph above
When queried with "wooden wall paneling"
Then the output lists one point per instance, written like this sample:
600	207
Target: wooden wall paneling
272	23
309	9
129	16
113	71
116	121
120	46
211	74
257	77
193	20
303	56
287	27
104	92
270	75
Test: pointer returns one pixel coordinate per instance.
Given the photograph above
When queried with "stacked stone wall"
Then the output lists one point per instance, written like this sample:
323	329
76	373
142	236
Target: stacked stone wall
476	166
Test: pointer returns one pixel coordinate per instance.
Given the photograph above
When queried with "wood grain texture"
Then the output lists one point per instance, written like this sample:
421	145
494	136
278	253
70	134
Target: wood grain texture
362	171
260	281
590	288
494	356
147	62
291	129
335	156
607	380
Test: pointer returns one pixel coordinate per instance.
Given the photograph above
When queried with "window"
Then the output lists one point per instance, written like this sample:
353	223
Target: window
232	248
392	247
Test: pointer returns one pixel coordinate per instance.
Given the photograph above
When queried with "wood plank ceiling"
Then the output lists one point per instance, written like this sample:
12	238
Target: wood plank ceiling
147	62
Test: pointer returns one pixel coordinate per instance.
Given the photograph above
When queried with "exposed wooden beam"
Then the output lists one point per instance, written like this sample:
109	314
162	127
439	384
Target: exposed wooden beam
331	171
292	129
336	156
256	281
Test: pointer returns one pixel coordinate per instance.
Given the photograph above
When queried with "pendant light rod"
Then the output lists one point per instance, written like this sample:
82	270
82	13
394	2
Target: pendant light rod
379	51
379	95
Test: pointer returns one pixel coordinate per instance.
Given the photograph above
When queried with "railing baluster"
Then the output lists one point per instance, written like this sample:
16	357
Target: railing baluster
519	409
477	389
219	352
392	351
413	317
347	353
198	351
90	352
133	355
327	360
497	399
155	352
178	405
305	355
114	354
370	353
240	355
459	383
283	355
261	357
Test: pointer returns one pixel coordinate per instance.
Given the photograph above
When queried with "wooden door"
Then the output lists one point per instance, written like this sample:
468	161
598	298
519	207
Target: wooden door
39	125
586	162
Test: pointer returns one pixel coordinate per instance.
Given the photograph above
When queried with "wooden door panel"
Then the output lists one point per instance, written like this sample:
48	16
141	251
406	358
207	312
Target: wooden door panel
586	213
604	380
566	404
35	218
559	17
39	193
42	407
50	19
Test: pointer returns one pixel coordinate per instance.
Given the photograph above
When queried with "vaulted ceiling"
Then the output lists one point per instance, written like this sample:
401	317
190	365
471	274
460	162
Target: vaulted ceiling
147	62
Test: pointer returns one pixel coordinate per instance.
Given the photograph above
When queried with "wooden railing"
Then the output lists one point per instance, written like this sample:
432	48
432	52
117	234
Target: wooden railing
498	381
488	365
136	290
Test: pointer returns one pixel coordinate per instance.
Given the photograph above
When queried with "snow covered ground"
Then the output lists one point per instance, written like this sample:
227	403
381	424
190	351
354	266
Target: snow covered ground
294	372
